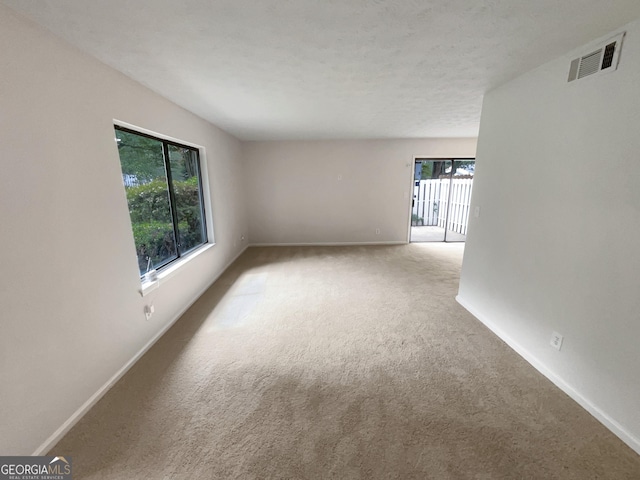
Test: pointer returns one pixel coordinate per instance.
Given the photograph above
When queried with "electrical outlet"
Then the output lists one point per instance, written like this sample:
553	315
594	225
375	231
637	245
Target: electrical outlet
377	231
339	177
476	212
242	238
149	311
556	340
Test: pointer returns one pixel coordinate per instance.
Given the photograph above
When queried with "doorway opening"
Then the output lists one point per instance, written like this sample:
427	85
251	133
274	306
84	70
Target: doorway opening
441	199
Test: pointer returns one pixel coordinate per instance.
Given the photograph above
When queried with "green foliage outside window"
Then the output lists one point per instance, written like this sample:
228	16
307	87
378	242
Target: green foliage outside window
149	210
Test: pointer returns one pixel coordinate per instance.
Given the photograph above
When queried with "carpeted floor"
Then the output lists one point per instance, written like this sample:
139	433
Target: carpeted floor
339	362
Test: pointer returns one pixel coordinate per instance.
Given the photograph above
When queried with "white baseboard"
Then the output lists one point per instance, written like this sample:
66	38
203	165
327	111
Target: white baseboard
82	411
617	429
326	244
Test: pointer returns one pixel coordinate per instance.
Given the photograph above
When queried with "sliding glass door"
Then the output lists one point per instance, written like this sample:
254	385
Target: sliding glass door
441	199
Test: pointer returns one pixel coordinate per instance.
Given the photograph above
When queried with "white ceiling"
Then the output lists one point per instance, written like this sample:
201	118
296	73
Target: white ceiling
316	69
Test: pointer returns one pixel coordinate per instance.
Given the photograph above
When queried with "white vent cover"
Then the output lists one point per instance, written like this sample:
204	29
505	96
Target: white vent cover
602	59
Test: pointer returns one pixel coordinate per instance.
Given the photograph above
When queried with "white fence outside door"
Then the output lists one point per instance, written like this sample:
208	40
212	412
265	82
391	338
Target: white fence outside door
431	199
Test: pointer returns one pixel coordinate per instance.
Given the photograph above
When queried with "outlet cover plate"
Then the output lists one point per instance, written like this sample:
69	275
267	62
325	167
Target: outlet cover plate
556	340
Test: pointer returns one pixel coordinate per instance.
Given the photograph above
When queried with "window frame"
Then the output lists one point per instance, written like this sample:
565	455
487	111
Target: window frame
170	267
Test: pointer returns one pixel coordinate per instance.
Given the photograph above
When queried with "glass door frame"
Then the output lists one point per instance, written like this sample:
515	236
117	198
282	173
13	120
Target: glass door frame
453	161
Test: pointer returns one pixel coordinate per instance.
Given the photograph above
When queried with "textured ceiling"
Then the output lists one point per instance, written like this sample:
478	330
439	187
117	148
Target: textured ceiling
302	69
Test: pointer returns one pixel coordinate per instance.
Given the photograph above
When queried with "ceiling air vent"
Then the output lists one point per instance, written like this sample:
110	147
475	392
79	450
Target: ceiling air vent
602	60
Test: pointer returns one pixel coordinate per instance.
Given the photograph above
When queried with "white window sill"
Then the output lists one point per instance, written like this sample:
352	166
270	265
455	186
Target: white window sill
167	272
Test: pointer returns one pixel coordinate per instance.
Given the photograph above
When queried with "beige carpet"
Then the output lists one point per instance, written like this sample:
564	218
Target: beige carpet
332	362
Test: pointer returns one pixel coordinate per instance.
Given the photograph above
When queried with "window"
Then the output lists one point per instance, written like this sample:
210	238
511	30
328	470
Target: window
163	183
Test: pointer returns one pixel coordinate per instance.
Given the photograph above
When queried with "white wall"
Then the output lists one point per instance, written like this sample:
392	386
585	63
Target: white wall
70	312
336	191
556	243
